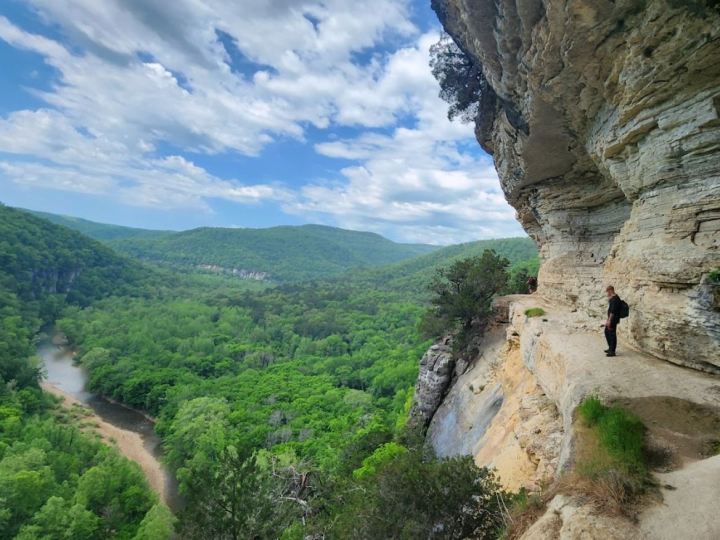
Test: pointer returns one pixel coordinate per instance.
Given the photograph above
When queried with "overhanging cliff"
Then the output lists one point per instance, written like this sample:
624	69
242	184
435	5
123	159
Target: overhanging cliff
603	118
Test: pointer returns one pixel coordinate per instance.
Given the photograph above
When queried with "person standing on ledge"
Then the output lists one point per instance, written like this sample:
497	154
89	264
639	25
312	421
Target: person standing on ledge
613	318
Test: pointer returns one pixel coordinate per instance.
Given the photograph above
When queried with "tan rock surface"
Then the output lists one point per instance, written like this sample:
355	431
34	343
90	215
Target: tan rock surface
497	412
563	350
689	504
567	520
513	410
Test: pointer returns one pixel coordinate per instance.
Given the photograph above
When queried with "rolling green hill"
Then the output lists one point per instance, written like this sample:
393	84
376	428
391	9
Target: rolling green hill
44	267
285	254
290	254
99	231
414	275
39	259
281	254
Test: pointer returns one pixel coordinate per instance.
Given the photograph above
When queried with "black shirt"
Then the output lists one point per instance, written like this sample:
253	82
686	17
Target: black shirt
614	309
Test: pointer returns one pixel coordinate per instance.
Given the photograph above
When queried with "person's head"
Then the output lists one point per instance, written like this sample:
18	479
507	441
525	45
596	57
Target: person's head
610	290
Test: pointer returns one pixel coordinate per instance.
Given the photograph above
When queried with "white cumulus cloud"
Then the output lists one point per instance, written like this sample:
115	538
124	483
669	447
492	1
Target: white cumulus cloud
141	83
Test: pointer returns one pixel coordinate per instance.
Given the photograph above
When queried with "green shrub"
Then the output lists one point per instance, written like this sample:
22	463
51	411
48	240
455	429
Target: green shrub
620	433
410	495
462	296
714	276
535	312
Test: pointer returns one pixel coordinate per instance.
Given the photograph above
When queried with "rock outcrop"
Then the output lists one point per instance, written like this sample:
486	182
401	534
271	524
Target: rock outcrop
241	273
497	412
513	408
603	118
53	280
434	379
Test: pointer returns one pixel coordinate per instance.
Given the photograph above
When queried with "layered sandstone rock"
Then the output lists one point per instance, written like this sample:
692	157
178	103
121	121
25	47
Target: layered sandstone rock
497	412
603	118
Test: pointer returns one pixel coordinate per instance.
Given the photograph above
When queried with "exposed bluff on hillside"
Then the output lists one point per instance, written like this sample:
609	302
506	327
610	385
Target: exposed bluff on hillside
603	118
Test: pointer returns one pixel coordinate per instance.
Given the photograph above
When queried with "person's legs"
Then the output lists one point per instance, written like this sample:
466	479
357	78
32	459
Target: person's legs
607	338
611	337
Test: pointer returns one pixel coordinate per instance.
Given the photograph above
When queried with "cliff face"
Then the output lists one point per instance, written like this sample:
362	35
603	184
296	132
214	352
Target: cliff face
603	118
513	408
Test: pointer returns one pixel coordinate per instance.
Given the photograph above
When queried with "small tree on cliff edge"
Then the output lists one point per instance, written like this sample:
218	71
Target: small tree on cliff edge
461	79
463	294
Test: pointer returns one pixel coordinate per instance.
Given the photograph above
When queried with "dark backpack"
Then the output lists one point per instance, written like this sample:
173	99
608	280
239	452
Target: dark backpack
624	309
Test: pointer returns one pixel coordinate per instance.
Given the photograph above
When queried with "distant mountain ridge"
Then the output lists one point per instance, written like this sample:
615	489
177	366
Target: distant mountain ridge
99	231
282	254
414	275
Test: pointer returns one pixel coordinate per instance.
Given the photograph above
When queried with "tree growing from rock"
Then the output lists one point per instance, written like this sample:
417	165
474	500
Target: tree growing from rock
463	294
461	79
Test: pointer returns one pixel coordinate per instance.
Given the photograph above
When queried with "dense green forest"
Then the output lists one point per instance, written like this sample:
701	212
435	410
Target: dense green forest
44	267
277	406
285	254
55	481
316	378
59	483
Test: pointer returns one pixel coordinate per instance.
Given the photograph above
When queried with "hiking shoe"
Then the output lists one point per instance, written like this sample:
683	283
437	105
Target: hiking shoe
606	351
610	354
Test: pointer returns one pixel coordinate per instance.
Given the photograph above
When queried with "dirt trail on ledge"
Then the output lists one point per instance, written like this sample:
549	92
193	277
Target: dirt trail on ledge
129	443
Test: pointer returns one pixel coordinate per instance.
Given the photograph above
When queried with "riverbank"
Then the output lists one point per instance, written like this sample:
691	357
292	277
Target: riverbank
128	443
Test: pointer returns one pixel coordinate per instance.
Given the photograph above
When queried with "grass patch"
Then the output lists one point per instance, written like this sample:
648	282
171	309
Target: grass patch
714	276
535	312
621	434
611	458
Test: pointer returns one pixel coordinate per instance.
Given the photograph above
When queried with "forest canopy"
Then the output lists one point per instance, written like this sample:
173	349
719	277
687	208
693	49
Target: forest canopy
276	406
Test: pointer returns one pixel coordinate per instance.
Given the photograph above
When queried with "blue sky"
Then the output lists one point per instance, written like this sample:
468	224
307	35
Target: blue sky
246	113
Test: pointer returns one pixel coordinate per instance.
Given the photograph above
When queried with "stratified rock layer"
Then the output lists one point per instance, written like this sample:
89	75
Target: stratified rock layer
604	123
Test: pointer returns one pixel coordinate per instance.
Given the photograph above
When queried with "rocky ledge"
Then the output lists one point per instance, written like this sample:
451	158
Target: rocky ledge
513	408
603	118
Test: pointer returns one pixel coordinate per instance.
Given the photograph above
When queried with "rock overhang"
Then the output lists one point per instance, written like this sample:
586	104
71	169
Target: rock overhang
604	123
